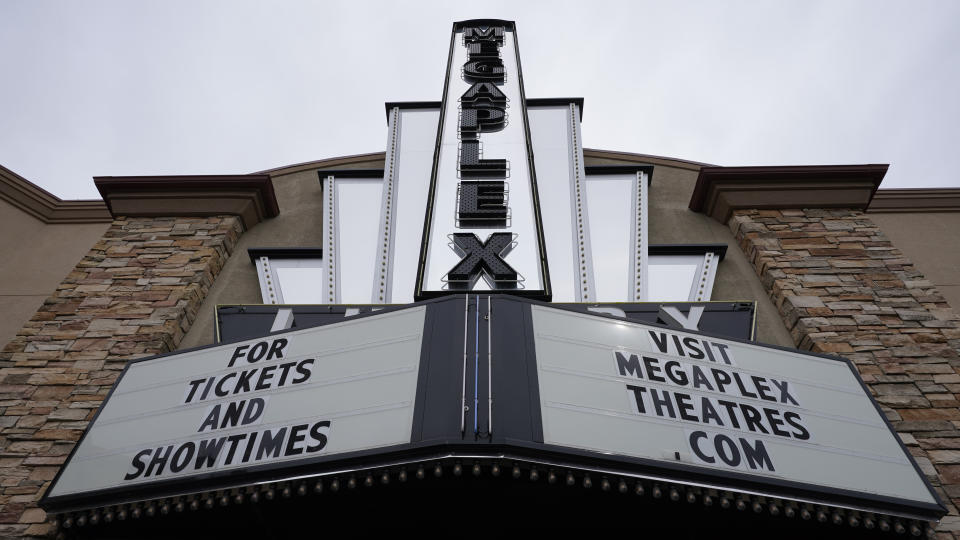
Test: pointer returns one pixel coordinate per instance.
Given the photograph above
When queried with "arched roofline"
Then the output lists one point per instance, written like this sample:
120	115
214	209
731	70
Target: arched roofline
371	159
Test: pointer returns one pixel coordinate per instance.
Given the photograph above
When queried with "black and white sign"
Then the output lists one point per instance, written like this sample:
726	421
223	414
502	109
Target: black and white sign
483	230
320	391
667	395
487	376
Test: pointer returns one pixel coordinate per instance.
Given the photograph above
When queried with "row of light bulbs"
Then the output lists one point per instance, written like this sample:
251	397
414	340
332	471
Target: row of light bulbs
517	470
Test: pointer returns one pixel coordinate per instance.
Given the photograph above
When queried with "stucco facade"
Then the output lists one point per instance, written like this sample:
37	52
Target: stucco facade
81	298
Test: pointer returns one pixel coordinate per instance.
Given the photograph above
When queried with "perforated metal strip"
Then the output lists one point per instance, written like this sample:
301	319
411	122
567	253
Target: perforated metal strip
581	233
703	288
331	289
640	260
384	270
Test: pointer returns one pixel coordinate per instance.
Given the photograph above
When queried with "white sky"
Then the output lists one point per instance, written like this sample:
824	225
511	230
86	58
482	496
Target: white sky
202	87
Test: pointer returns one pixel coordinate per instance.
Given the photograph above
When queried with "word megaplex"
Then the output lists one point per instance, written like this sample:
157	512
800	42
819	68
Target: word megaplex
711	394
482	191
238	447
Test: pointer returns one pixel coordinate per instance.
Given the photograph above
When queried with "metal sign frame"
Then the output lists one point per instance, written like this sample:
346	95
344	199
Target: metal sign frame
479	350
422	290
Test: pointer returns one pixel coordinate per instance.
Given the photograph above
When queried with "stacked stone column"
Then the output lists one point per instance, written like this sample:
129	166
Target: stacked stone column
843	288
135	294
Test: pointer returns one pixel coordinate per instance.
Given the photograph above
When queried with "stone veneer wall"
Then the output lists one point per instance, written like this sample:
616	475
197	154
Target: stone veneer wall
843	288
134	294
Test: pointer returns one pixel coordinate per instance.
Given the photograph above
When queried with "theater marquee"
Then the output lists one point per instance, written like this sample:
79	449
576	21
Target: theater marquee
494	378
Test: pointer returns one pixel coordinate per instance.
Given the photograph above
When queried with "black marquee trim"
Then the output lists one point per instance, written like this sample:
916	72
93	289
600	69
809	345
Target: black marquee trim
595	170
508	26
556	102
435	451
350	173
285	253
426	105
687	249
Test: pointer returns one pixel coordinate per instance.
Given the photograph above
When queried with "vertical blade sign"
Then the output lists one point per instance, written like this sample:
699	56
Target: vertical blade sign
490	219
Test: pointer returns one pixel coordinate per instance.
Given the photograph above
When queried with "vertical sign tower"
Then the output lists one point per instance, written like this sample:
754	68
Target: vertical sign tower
483	230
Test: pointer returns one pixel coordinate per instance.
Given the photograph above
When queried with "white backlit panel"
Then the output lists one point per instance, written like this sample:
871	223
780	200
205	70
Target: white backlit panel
358	211
416	137
630	389
300	284
560	178
612	223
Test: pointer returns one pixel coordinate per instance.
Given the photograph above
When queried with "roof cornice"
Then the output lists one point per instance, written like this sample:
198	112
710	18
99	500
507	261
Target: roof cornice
47	207
249	196
721	190
916	200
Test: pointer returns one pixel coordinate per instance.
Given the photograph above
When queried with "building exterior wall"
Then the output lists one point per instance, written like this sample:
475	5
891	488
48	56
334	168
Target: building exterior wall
671	222
824	280
133	294
932	242
37	256
841	287
300	224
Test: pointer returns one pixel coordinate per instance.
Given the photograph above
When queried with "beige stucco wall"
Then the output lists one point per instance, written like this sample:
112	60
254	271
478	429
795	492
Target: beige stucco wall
299	225
932	242
672	222
37	256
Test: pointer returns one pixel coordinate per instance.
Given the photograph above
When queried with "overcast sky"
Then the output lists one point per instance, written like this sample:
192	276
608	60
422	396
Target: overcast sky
178	87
